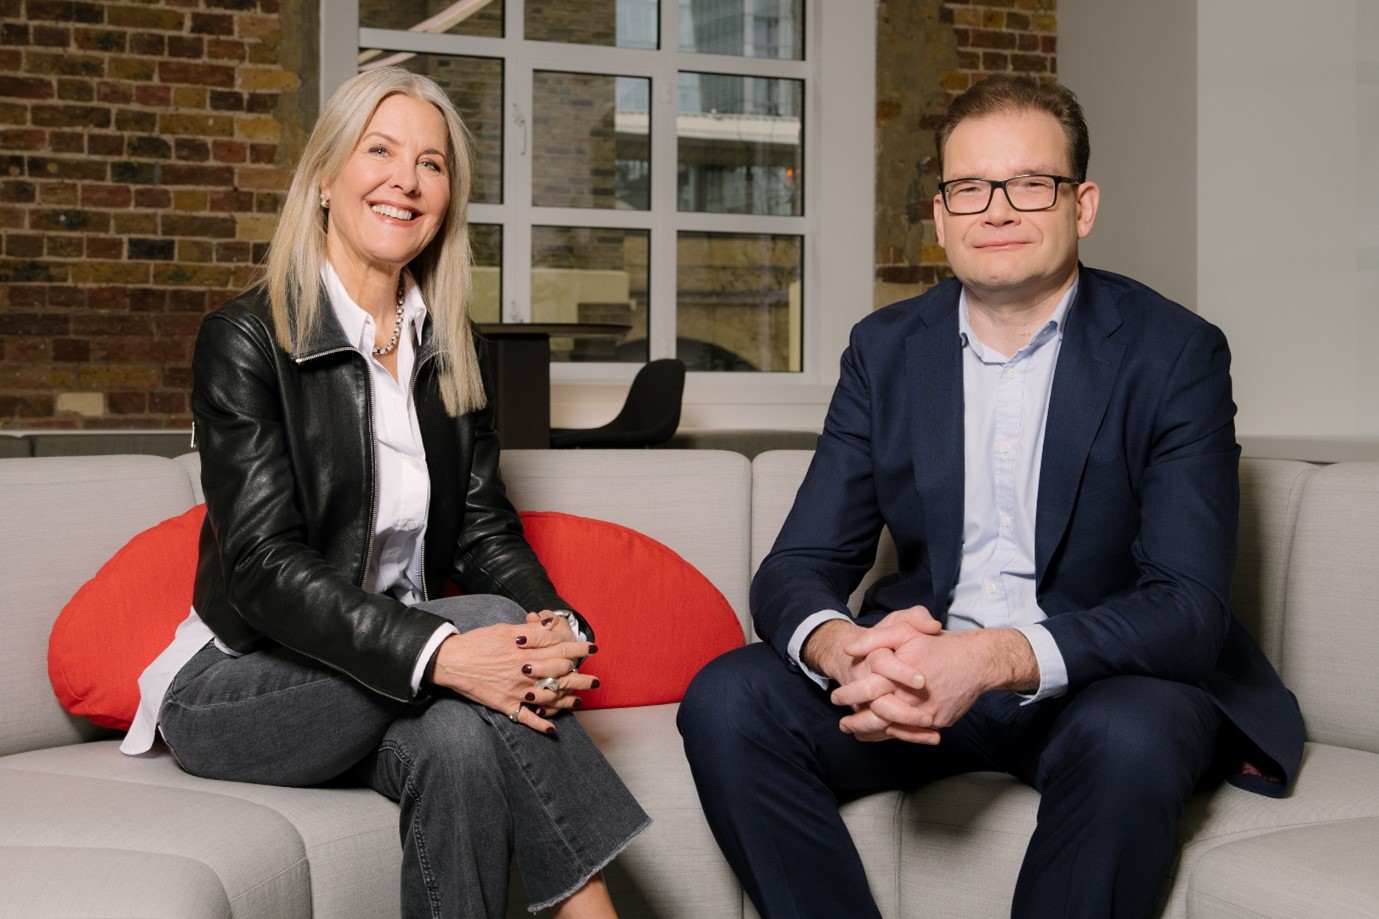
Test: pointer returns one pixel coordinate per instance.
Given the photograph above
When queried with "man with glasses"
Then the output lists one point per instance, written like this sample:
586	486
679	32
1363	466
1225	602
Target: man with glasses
1052	450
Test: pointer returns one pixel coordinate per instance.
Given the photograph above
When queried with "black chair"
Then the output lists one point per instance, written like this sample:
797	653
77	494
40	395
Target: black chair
649	416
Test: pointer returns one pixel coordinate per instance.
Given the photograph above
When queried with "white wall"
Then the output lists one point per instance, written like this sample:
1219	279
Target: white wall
1263	113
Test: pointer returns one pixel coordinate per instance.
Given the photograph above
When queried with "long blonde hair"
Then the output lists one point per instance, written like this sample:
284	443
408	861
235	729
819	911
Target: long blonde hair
442	270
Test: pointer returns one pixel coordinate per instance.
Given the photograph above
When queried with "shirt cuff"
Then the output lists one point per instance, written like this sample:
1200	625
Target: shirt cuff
1053	670
802	633
444	631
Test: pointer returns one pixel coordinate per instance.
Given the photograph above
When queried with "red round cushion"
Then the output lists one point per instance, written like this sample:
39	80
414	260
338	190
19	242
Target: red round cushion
657	619
120	620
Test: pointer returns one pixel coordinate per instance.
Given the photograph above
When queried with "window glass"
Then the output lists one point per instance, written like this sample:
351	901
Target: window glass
486	298
740	145
738	301
441	17
614	23
591	141
747	28
475	84
595	277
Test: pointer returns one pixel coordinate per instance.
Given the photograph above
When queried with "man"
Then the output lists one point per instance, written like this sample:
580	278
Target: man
1053	451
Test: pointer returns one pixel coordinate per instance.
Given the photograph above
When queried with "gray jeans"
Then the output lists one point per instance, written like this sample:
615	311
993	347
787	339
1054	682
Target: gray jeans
474	788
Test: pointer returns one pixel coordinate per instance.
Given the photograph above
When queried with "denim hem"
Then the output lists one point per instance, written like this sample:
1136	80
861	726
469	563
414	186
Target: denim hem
584	878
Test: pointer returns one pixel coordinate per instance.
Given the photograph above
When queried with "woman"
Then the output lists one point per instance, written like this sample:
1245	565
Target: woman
350	468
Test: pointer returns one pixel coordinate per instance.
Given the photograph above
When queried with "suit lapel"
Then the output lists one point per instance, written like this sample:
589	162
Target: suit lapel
1088	364
933	358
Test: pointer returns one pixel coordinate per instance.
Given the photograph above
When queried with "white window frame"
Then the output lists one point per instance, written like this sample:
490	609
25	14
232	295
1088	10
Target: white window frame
839	171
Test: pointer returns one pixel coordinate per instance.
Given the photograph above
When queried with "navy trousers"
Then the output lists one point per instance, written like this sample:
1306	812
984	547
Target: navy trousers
1114	763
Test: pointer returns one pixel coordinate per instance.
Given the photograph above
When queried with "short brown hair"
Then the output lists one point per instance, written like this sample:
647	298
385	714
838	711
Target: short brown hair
1004	92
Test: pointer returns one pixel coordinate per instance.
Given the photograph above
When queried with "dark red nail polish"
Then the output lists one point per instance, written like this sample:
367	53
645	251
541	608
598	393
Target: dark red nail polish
526	668
521	639
545	621
531	697
596	683
550	732
593	649
577	702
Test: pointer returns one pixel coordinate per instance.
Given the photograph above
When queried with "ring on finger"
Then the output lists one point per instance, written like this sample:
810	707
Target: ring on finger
515	712
549	682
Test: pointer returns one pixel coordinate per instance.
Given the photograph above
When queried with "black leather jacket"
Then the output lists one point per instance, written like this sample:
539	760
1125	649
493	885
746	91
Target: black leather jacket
287	465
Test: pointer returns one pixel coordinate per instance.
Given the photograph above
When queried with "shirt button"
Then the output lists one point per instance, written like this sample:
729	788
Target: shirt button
990	587
1005	521
1005	447
1011	374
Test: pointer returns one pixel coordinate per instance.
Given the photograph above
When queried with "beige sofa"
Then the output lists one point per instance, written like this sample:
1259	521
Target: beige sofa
85	831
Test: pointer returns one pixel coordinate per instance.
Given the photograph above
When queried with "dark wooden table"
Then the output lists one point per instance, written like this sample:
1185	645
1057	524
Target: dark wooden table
521	365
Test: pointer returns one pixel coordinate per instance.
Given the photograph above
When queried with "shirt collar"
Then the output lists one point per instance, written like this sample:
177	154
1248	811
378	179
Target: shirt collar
355	321
1053	327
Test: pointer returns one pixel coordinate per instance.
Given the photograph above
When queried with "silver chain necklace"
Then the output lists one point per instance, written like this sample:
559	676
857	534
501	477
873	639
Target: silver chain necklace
397	324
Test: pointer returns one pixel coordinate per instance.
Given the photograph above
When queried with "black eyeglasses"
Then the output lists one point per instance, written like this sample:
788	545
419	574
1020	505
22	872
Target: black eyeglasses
1025	193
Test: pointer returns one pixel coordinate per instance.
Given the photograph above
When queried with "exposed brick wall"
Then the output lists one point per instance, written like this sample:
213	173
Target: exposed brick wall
145	149
929	51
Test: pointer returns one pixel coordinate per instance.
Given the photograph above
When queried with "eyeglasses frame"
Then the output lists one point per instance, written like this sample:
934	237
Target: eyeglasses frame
994	184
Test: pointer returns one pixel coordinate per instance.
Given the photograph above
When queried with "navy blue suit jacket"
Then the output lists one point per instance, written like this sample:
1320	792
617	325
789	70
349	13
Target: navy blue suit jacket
1137	514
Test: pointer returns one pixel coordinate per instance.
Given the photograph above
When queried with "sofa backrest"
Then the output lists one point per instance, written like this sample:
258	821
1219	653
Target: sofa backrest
1330	647
60	519
697	502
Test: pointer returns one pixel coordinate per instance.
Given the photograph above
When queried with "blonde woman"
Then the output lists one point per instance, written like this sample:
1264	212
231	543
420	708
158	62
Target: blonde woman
350	469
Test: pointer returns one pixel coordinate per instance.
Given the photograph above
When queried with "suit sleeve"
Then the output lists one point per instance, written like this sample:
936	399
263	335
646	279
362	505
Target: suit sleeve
1172	622
828	541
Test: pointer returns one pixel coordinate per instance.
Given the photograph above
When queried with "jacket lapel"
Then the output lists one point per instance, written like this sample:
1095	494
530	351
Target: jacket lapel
933	358
1089	362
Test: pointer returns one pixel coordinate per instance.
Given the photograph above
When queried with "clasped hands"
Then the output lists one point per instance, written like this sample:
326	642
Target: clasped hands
905	677
499	666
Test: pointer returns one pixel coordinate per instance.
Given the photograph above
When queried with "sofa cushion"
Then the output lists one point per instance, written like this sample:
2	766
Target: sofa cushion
1324	870
657	619
121	619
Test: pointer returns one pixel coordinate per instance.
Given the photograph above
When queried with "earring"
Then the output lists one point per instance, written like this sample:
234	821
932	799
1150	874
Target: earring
325	202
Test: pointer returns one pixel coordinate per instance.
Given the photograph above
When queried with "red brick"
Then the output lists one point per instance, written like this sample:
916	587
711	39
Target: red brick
168	403
221	24
192	47
67	142
152	198
26	87
208	75
105	144
153	95
24	139
46	36
23	246
70	116
108	248
26	406
229	151
149	44
72	350
126	403
106	196
107	298
219	49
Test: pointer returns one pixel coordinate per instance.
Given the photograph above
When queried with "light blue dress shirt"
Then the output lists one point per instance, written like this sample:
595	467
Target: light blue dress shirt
1005	408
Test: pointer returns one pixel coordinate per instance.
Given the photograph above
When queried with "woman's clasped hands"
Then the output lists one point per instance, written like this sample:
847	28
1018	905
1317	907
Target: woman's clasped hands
529	672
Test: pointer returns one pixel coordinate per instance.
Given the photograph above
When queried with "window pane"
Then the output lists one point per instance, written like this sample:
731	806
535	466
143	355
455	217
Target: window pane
740	146
615	23
738	301
592	276
591	141
475	84
486	302
442	17
747	28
